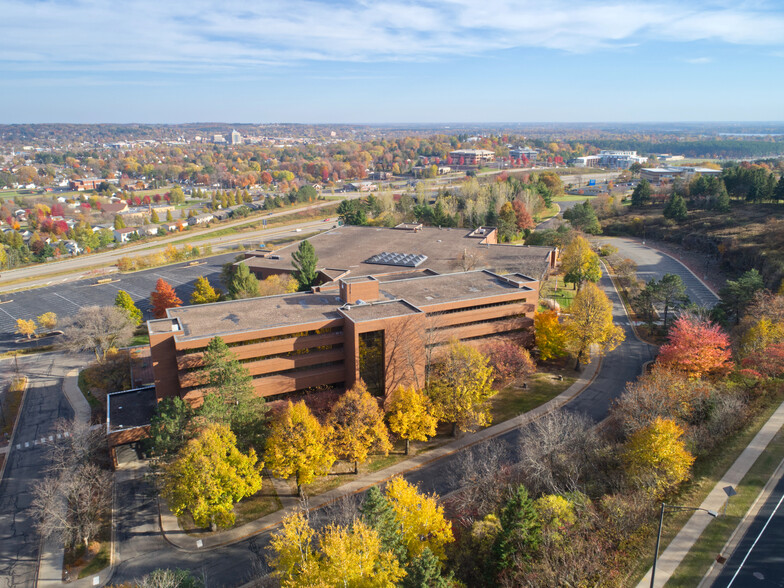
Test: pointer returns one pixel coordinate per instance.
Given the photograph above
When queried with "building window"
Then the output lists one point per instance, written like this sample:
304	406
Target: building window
371	361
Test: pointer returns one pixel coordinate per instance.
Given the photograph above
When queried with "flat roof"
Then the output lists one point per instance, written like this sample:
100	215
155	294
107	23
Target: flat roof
378	310
130	408
350	246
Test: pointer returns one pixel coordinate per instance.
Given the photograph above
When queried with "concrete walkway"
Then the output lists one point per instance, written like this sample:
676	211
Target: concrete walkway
50	563
691	531
178	538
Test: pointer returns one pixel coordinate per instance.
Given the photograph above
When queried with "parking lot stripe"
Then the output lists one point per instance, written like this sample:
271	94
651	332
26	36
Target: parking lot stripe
8	313
67	300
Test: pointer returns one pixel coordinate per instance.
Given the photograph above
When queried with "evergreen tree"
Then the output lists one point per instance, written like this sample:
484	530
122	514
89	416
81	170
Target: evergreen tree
304	261
642	193
583	217
424	571
154	217
119	223
243	284
169	217
170	426
378	514
778	193
520	530
123	300
676	208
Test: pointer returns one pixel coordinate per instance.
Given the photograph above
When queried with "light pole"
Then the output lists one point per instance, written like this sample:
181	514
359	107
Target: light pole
665	506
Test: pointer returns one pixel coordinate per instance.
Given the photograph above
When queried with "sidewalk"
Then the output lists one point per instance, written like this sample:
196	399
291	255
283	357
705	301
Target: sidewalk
178	538
678	548
50	562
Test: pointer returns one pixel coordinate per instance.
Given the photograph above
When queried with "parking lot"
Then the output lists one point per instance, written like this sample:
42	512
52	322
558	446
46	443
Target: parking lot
67	298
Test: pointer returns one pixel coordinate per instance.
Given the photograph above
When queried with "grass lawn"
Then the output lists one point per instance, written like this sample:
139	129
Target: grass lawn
707	472
94	403
27	351
140	338
82	563
547	213
512	401
574	198
563	295
264	502
696	563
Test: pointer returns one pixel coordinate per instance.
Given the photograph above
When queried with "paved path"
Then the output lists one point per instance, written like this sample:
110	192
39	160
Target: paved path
44	403
691	531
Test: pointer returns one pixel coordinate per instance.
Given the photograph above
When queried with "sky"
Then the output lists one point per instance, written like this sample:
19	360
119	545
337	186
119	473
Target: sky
318	61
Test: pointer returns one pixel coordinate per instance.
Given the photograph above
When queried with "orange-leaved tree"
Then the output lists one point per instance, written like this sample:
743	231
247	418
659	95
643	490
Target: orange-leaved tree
696	348
163	297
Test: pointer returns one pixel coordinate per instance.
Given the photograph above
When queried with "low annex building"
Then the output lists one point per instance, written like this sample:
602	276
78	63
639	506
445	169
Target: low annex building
387	299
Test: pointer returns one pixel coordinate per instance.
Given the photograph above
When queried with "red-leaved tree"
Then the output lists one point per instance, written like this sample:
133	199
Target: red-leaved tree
163	297
767	362
696	348
524	218
509	360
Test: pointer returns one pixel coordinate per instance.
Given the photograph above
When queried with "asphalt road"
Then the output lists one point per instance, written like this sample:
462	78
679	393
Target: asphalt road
44	403
758	561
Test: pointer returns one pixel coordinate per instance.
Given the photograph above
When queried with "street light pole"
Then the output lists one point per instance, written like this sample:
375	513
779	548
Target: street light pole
665	506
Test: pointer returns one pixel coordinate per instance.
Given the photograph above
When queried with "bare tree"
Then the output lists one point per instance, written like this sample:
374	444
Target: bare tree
171	578
78	443
97	329
557	451
483	474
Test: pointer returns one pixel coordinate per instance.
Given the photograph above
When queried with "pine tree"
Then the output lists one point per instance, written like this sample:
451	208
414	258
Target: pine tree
243	284
154	217
378	514
304	261
162	298
642	193
123	300
676	208
169	217
520	530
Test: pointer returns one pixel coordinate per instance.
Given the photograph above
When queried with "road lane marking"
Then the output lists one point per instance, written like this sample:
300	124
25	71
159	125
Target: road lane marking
765	526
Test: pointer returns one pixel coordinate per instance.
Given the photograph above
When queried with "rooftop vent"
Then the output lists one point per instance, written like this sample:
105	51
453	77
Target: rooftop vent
397	259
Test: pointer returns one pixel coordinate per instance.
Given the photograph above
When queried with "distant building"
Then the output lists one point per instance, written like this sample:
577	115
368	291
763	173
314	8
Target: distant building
124	235
527	152
610	159
218	138
656	175
472	157
201	219
236	138
89	183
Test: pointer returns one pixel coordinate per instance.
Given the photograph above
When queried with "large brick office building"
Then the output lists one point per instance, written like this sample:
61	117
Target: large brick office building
386	300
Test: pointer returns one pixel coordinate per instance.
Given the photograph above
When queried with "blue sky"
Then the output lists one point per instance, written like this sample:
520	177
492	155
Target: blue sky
396	61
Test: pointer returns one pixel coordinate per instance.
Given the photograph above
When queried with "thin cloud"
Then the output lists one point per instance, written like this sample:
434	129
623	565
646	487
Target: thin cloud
206	35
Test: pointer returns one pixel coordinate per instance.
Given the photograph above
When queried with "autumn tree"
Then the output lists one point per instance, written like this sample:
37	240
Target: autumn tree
579	263
523	218
119	223
509	360
47	320
162	298
304	260
277	284
204	293
209	475
154	217
410	415
421	520
26	327
124	301
656	458
590	323
98	329
696	348
550	334
298	445
358	426
462	384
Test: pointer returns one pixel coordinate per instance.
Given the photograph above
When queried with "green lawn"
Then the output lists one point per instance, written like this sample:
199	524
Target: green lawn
574	198
512	400
563	295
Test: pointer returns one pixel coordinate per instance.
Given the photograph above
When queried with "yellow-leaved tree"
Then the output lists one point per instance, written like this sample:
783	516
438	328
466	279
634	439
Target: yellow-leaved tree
590	323
462	384
656	457
347	556
298	445
421	520
358	427
579	263
204	293
209	475
48	321
26	327
410	415
550	335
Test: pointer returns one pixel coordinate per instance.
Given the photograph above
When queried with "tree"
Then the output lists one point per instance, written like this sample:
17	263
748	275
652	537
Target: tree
169	217
676	208
671	292
410	415
736	295
304	260
523	218
550	335
656	457
377	513
204	293
170	578
98	329
48	321
579	263
124	301
162	298
583	217
277	284
357	425
26	327
696	348
209	475
170	426
299	445
420	519
231	399
292	548
642	193
509	360
520	529
154	217
463	383
242	283
119	223
425	571
507	222
590	323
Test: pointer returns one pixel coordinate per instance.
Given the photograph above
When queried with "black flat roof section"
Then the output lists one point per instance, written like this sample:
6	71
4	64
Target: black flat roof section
130	408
